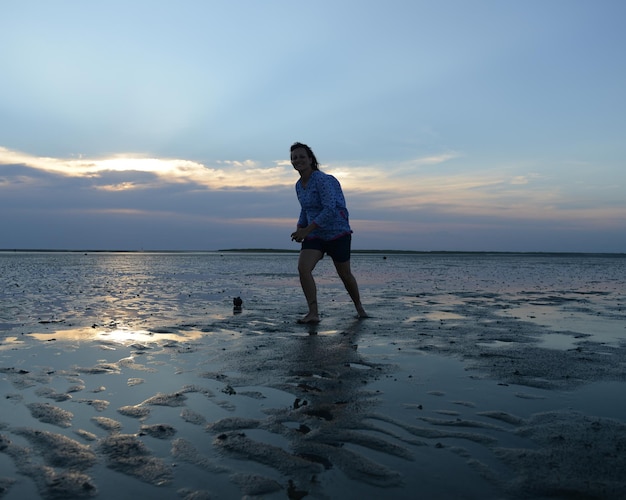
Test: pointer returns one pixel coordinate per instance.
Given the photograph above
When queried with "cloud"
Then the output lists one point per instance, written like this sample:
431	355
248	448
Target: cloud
443	185
122	186
435	159
233	174
519	180
133	172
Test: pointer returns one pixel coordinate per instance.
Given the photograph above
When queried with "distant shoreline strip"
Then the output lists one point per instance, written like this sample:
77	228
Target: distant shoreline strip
282	250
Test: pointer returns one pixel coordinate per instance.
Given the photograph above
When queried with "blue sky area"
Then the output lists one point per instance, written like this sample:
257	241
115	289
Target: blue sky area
476	125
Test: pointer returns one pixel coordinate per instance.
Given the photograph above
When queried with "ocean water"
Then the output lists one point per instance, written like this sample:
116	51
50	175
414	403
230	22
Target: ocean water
143	290
477	376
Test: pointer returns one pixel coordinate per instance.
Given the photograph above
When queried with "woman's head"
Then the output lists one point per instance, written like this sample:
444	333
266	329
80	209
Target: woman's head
309	152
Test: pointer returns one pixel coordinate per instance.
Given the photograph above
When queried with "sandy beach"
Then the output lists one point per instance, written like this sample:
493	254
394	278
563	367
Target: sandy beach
477	377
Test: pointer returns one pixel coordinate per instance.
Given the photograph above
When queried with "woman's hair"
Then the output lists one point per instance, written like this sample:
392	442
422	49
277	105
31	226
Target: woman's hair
314	163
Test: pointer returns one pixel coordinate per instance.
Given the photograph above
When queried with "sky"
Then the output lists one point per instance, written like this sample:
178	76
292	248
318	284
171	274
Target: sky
455	125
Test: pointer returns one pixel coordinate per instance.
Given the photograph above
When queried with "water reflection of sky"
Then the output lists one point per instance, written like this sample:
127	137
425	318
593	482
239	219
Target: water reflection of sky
596	324
120	336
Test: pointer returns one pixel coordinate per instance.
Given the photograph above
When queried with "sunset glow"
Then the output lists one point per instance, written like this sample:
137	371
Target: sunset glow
463	127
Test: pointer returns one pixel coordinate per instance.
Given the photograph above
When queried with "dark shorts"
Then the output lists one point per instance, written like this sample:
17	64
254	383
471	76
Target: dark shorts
338	249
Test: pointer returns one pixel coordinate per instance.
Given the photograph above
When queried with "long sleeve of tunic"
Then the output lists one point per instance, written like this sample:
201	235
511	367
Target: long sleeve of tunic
323	203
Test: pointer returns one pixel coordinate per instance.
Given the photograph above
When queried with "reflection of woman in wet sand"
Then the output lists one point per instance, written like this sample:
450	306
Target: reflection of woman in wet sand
333	410
323	227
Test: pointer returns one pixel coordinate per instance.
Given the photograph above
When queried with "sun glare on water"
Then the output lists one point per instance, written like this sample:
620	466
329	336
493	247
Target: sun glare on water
119	336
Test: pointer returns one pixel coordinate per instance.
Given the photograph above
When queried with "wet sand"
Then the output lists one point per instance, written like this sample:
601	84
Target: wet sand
440	394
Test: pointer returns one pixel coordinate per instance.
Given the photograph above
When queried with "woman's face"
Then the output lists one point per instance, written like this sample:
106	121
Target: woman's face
301	160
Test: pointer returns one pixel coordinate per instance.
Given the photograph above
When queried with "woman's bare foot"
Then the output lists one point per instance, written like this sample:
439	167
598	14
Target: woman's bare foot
360	312
310	318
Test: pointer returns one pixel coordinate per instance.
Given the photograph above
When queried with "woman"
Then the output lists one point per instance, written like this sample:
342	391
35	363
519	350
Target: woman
323	227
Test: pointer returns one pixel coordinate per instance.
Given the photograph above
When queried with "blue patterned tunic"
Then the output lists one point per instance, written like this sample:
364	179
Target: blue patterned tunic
323	203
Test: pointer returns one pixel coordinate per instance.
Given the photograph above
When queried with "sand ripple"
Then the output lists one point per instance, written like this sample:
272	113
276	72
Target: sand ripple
49	414
127	454
59	450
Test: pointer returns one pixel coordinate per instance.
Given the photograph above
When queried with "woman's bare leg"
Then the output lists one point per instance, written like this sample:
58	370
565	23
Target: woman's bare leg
349	281
306	263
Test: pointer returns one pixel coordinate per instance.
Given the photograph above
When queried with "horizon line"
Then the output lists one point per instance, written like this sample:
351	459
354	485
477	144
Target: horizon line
283	250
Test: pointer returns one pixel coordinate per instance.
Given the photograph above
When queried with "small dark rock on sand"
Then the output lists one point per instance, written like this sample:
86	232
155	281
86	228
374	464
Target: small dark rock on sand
237	305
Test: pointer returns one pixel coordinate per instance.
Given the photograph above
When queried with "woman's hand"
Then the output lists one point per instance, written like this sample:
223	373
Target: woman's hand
297	235
302	232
